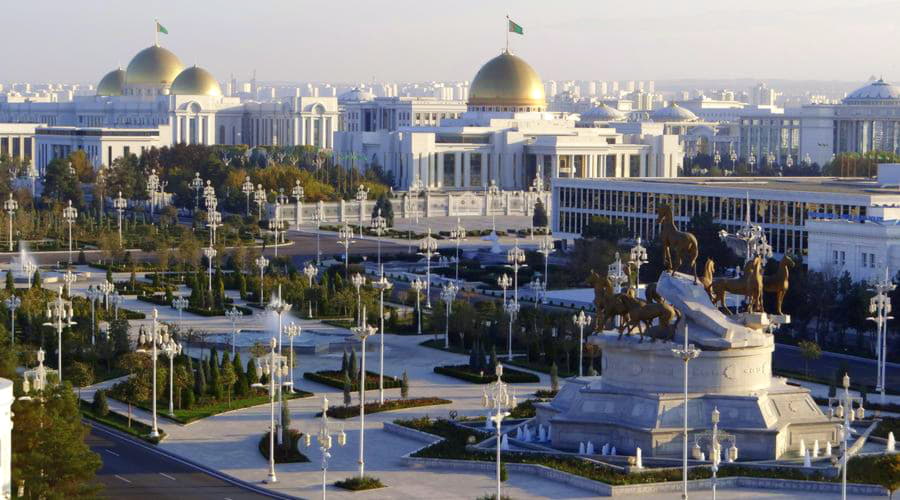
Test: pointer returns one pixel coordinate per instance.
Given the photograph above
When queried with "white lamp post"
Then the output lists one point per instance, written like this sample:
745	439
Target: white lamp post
448	293
197	186
317	218
323	438
291	330
29	268
616	274
498	399
512	309
362	332
361	195
428	247
491	191
311	272
213	222
545	248
12	303
93	295
32	173
382	285
713	441
68	278
106	288
120	204
297	193
516	258
379	227
458	234
59	316
345	235
210	254
413	196
171	349
275	225
247	189
537	288
358	281
262	263
233	314
152	186
10	206
157	337
842	408
880	308
279	307
418	285
273	368
70	214
209	193
581	320
180	303
259	197
638	257
687	353
115	299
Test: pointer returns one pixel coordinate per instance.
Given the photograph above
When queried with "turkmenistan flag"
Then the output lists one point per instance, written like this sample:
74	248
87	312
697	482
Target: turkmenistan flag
515	28
161	29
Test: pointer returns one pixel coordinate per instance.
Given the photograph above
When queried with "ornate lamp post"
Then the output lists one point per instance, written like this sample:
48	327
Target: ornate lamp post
10	206
12	303
512	309
210	254
29	268
197	186
504	282
181	304
516	258
382	285
498	399
713	441
171	349
233	314
358	281
291	330
262	263
418	285
213	222
717	158
362	332
545	248
345	236
458	235
311	272
842	408
638	257
752	159
317	219
68	278
275	225
120	204
491	192
428	247
581	320
733	157
93	295
156	338
448	293
115	299
880	308
687	353
379	227
537	288
70	214
106	287
616	274
247	189
59	316
259	197
32	173
413	195
323	438
152	186
273	368
297	193
209	192
361	195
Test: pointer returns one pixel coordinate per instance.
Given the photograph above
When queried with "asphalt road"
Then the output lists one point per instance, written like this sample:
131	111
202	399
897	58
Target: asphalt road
862	371
133	470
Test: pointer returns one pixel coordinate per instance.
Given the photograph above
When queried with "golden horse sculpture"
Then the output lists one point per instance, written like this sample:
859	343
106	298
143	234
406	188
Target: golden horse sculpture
640	312
749	285
678	246
607	304
706	280
779	282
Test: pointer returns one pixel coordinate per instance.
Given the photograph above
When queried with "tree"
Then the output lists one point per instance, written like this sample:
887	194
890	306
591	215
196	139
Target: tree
883	470
61	184
80	375
539	218
49	452
227	379
344	362
137	387
285	425
101	405
354	367
554	377
810	352
200	379
404	385
348	388
383	203
10	282
182	381
252	376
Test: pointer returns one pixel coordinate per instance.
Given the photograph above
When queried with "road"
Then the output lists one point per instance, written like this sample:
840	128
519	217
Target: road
134	470
862	371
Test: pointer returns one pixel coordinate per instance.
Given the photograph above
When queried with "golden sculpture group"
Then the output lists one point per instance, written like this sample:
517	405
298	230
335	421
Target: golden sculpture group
680	248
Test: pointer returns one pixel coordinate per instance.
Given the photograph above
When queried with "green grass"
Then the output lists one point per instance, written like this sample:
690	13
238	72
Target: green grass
120	423
351	411
199	411
335	378
360	483
464	372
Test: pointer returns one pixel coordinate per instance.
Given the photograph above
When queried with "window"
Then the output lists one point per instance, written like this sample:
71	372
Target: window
475	169
449	169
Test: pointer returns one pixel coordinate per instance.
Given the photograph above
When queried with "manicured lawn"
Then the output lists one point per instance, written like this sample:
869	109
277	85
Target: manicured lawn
186	416
120	423
335	378
464	372
389	405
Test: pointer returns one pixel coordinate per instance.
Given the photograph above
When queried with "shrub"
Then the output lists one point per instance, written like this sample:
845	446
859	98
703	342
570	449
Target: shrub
101	405
404	385
360	483
463	372
504	474
335	379
350	411
284	454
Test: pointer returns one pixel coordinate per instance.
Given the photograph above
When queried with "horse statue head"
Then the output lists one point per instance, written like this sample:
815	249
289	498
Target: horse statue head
663	213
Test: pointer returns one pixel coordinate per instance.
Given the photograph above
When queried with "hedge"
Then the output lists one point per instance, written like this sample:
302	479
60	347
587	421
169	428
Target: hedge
291	455
463	372
351	411
357	483
335	378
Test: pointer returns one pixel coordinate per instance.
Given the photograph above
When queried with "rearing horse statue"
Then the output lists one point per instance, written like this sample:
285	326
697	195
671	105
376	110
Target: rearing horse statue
678	246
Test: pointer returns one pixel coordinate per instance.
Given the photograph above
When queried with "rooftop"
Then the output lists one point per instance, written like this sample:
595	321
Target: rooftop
842	185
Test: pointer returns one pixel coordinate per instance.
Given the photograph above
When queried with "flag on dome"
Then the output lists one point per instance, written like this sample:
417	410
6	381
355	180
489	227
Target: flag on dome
515	28
161	29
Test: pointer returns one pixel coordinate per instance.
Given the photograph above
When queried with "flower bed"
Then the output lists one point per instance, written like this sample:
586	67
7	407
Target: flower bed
283	455
463	372
335	378
389	405
360	483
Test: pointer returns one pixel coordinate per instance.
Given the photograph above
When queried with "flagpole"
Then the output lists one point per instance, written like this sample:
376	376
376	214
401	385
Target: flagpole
507	33
156	31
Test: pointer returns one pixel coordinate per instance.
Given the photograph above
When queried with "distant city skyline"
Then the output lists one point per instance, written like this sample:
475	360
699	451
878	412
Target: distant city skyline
824	40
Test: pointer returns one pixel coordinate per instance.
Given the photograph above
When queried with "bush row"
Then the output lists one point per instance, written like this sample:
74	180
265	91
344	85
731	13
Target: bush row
463	372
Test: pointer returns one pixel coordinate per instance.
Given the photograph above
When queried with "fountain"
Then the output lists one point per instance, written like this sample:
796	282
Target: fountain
21	263
891	443
590	448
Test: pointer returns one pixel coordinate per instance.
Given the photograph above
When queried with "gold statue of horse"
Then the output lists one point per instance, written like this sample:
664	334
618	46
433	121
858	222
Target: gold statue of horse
749	285
779	282
678	246
706	280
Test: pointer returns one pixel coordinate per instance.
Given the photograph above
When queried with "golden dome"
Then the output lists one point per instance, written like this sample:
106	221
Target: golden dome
507	81
195	81
153	66
111	84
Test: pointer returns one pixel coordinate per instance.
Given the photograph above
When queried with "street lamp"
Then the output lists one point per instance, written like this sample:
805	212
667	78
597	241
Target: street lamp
843	408
317	218
537	288
581	320
362	193
213	222
120	204
12	303
32	173
418	285
687	353
29	268
171	349
498	399
70	214
362	332
157	337
275	225
733	157
638	257
345	235
180	303
458	235
880	308
516	258
379	227
272	368
106	288
259	197
10	206
428	247
323	438
233	314
152	186
93	295
209	193
491	192
59	316
197	185
382	285
291	330
297	193
311	272
448	293
358	281
210	254
717	158
261	262
115	299
413	196
616	274
247	189
512	309
545	248
713	441
68	278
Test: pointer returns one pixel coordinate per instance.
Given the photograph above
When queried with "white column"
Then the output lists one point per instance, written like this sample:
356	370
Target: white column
484	177
322	131
457	170
466	169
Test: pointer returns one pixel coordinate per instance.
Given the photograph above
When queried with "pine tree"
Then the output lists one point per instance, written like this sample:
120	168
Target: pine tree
109	274
344	363
404	385
36	279
252	376
285	425
493	361
348	388
215	384
187	400
10	282
554	377
242	285
228	378
354	367
200	379
101	405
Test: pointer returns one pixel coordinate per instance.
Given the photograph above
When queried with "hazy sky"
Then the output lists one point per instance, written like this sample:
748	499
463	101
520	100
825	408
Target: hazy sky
419	40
